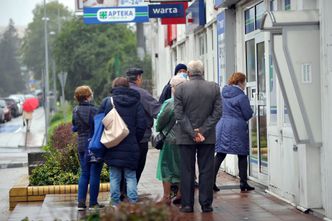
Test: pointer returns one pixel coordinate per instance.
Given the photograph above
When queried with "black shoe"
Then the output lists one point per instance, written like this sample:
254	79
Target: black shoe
97	206
81	206
244	186
177	201
207	209
215	188
187	209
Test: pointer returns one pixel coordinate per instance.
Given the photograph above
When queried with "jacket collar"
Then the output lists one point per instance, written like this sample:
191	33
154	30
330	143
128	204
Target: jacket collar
196	77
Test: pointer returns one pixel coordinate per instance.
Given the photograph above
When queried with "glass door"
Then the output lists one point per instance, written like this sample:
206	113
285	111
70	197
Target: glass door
256	90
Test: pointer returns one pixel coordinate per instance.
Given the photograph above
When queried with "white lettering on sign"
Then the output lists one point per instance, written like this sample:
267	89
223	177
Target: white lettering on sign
165	10
116	14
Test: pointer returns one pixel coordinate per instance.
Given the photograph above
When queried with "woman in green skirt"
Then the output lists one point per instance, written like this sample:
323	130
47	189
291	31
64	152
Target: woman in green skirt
168	170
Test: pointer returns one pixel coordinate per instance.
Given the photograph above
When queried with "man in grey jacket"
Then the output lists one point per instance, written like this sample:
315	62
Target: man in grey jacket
151	107
197	109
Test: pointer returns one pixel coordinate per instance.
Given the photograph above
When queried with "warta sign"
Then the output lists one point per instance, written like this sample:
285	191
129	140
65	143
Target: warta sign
166	11
103	15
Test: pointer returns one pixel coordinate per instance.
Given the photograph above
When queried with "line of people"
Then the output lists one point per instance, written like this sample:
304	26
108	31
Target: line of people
197	121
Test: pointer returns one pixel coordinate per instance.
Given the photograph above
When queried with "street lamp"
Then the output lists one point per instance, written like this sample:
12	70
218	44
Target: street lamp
52	33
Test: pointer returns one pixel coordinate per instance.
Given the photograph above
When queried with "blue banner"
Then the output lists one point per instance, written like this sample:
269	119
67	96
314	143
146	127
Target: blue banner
115	15
166	11
217	3
221	23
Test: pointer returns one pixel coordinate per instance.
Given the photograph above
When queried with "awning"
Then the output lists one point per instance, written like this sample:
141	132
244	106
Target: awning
224	3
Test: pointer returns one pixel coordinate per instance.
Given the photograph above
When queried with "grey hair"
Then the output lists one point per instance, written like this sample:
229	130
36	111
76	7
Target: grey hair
196	67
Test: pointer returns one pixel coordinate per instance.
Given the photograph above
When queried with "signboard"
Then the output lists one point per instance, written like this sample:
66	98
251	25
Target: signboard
178	20
225	45
124	14
221	48
166	11
196	15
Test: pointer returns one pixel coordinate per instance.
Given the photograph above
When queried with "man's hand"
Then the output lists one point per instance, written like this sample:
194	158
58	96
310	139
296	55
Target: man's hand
199	138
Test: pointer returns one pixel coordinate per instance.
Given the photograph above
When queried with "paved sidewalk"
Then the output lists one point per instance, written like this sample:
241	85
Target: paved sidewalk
228	205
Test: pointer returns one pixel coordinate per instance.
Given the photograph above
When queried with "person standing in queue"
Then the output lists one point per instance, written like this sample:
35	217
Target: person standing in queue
151	108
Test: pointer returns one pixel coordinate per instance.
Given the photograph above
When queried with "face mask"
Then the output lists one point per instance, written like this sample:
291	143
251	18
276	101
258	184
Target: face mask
183	74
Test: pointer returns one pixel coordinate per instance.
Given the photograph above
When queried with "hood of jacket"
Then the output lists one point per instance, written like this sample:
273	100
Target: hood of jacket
125	96
230	91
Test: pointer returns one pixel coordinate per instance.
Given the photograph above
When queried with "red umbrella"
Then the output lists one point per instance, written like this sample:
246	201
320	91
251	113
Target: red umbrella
30	104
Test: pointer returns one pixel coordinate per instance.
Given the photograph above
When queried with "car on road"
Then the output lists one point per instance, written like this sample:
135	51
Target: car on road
13	106
6	114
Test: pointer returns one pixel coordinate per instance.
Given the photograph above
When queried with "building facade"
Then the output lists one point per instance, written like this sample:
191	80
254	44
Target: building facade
285	49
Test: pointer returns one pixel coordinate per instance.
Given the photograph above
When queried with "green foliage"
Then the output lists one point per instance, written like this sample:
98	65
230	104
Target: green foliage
33	48
62	163
94	54
10	72
145	211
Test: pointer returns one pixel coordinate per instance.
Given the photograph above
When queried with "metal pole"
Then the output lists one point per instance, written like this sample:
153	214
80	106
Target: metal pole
54	84
46	74
63	102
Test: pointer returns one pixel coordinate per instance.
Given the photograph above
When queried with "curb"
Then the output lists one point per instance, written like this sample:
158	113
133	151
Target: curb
20	194
13	165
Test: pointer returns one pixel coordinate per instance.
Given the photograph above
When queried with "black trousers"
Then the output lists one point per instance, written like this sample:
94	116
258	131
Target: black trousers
242	164
142	159
141	164
205	155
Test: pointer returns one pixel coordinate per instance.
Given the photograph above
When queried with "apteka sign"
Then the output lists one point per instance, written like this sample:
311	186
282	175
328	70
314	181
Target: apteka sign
166	11
116	15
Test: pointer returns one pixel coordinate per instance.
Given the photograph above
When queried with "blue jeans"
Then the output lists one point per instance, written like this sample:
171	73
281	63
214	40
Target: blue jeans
89	172
115	180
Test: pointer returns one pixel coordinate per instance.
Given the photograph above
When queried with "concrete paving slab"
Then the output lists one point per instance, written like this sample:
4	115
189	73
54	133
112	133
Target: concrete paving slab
229	204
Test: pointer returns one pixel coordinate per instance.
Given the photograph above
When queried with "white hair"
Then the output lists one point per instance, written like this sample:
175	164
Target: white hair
196	67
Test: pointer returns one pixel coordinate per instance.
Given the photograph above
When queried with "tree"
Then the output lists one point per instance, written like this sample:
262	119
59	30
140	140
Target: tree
33	47
94	54
10	71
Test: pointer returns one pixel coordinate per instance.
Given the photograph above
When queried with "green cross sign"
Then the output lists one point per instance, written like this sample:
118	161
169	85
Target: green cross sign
103	14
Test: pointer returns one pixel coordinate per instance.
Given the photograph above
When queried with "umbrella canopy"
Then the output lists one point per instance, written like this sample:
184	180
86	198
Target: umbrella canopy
30	104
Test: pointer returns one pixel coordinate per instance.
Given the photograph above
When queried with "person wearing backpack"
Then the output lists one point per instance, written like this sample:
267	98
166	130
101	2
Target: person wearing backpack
82	122
124	157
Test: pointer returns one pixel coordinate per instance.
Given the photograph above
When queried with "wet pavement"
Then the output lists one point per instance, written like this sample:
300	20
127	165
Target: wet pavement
229	204
8	178
13	134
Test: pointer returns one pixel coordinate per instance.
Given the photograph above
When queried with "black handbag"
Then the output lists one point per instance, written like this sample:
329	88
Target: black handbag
158	140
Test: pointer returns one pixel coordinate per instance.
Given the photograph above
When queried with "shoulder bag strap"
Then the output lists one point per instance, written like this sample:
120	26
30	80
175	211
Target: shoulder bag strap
169	129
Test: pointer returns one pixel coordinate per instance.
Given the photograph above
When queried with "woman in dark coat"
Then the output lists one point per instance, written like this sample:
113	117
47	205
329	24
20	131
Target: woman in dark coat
232	129
82	122
125	156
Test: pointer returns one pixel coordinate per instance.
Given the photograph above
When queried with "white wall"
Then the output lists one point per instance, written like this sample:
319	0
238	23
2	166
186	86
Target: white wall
325	8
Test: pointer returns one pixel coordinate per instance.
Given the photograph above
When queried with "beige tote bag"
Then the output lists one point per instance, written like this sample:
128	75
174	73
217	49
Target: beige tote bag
115	129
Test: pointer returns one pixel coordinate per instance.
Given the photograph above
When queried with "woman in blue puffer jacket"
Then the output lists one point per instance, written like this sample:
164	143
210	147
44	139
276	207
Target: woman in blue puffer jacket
123	158
232	129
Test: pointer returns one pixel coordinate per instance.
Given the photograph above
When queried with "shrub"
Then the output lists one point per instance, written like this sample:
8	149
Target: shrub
145	211
63	137
62	163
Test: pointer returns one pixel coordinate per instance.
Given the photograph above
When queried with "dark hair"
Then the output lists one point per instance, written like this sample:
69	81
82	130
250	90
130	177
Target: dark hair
120	82
236	78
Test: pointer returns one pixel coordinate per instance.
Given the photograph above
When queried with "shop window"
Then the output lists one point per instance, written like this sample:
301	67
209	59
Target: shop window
273	5
250	19
201	43
250	60
287	6
253	17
